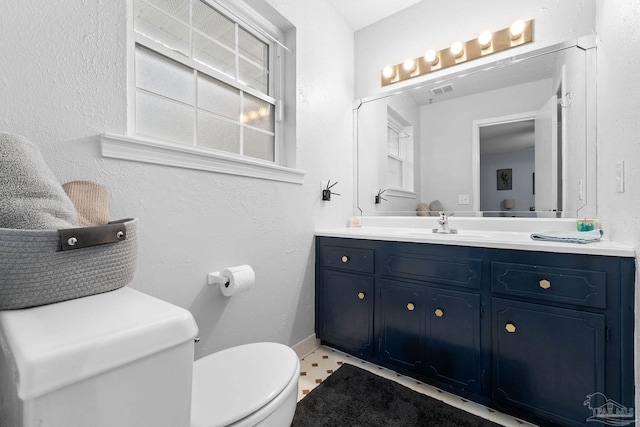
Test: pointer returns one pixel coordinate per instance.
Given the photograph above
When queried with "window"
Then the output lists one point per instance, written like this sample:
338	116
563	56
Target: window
399	152
206	80
202	79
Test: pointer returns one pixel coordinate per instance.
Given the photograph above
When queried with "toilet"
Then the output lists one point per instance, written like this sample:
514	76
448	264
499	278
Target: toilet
124	358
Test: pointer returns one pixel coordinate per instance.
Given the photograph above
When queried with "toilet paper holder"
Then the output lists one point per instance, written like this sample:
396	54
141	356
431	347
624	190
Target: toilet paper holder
216	278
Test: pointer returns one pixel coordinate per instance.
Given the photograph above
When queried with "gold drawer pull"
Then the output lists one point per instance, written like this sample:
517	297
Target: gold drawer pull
439	312
360	295
545	284
411	306
510	327
345	258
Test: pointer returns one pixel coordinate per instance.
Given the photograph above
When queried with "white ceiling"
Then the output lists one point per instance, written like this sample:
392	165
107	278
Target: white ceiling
360	13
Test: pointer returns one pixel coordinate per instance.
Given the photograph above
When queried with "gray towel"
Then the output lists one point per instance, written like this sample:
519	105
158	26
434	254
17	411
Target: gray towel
569	236
30	196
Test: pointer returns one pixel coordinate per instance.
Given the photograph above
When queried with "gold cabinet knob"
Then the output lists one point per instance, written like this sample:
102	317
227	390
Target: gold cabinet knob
345	258
360	295
545	284
411	306
439	312
510	327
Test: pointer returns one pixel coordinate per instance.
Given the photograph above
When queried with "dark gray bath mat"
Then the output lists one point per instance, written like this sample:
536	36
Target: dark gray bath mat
353	397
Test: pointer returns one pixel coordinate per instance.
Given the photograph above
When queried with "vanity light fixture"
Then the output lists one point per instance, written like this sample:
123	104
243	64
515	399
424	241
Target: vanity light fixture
431	57
457	49
484	39
516	30
409	65
388	72
487	43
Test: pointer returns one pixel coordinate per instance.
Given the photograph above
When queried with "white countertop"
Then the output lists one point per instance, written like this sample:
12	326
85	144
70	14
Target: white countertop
477	232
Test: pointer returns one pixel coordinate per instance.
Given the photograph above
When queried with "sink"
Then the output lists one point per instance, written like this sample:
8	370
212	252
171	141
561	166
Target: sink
458	233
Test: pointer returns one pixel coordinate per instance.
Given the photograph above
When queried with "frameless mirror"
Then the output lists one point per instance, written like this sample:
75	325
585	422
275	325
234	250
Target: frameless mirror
512	138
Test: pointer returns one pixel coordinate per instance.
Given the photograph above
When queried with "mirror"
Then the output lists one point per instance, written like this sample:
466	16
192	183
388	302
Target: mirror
512	138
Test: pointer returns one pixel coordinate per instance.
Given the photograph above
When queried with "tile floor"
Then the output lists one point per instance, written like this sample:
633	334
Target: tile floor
317	366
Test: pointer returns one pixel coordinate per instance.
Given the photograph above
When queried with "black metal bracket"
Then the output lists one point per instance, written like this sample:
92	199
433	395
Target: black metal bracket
326	193
379	197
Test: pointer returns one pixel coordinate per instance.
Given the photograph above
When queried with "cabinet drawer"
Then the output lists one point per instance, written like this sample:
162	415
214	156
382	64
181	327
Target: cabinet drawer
564	285
456	272
348	259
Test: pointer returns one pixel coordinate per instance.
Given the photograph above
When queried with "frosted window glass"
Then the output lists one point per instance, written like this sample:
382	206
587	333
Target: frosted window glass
255	77
394	172
214	55
218	97
161	28
393	141
164	119
258	113
253	48
159	74
176	8
213	24
259	145
218	133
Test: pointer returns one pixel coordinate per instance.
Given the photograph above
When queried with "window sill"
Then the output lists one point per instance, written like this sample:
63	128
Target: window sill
396	192
190	157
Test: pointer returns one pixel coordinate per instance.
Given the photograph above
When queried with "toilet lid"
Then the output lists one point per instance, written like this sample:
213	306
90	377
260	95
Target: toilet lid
234	383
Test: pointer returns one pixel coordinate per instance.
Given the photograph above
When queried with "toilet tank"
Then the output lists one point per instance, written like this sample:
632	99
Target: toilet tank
118	359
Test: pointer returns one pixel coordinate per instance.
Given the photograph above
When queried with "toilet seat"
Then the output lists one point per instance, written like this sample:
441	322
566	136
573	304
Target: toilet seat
235	383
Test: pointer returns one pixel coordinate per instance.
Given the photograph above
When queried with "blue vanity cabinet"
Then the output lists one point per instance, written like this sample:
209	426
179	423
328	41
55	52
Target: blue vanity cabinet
533	334
402	319
345	295
439	335
547	360
562	330
454	338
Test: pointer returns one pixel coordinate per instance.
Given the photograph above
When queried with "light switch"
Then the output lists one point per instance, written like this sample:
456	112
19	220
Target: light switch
581	190
463	199
620	176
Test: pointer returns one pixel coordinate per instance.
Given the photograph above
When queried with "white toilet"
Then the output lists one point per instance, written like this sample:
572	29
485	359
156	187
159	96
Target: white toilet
125	359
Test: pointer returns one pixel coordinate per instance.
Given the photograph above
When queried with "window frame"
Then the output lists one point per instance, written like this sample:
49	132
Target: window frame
151	150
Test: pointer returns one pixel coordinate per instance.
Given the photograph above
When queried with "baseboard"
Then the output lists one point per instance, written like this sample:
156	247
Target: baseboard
306	346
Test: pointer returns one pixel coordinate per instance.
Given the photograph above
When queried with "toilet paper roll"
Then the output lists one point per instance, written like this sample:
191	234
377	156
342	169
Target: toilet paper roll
241	278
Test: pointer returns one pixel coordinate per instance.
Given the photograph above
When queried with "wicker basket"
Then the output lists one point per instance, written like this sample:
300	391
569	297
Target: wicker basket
39	267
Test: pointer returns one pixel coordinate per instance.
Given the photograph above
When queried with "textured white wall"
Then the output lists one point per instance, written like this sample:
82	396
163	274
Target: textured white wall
62	83
618	27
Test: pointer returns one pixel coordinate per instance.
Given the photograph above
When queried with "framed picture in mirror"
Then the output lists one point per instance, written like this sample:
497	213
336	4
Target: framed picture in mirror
504	179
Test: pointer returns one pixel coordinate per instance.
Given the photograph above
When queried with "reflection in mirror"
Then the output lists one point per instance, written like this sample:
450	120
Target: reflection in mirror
507	148
508	139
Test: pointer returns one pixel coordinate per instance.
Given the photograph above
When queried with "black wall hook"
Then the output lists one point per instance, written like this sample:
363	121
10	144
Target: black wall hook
379	197
326	193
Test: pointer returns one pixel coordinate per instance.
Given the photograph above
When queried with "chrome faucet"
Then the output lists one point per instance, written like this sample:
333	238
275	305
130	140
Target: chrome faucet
444	225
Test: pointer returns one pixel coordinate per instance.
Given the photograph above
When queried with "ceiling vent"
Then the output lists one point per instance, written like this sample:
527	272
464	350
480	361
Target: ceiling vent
441	90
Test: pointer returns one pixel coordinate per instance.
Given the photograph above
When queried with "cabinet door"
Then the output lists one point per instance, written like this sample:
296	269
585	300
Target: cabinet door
346	311
402	324
547	360
453	343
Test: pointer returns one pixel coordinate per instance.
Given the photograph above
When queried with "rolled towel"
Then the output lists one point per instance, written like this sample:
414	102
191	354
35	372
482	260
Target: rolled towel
569	236
91	201
435	208
423	209
30	195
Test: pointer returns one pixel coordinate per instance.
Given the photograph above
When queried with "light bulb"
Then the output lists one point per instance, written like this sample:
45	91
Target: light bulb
388	72
409	65
431	57
485	39
456	49
516	29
